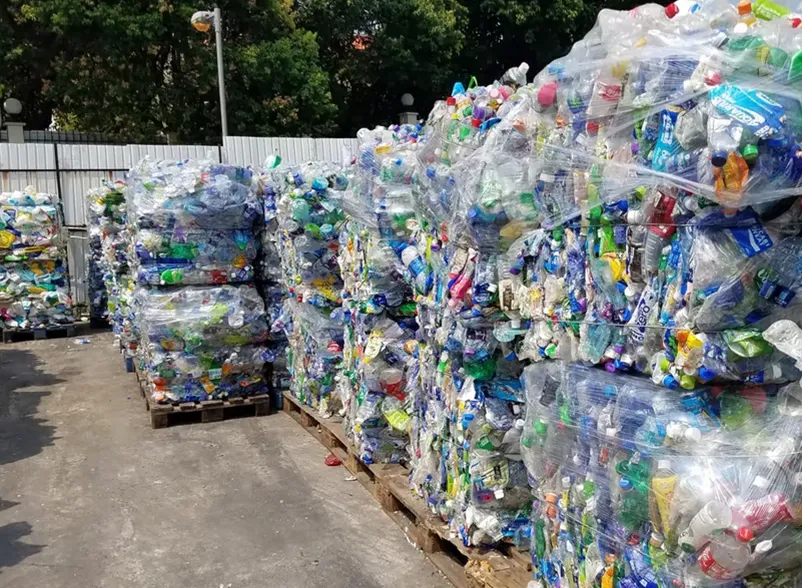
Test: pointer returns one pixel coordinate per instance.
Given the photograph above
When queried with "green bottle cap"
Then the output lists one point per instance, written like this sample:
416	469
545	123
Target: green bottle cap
750	153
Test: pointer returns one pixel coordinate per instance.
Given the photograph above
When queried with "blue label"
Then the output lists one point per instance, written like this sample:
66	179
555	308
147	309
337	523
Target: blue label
751	240
753	109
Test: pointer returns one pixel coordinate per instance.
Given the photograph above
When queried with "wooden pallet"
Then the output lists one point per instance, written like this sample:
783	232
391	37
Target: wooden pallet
52	332
205	411
465	567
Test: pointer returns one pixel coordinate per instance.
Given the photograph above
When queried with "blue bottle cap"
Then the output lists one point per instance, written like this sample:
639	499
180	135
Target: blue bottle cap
706	374
625	484
718	158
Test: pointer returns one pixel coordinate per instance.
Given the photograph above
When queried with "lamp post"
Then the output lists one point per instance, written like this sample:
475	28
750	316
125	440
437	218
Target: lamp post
409	116
203	21
16	130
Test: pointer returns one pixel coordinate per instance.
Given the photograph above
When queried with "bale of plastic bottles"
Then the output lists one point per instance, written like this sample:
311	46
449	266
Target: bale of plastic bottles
270	279
109	275
34	282
628	227
380	368
202	342
310	215
195	231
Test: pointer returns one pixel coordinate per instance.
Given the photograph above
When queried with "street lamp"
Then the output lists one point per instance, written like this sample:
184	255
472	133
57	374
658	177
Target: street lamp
203	21
16	130
409	116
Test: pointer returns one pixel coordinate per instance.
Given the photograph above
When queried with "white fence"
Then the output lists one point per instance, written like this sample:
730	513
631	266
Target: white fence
254	150
70	171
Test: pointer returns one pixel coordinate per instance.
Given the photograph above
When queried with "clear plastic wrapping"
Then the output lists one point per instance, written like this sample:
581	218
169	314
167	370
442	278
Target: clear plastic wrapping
192	194
194	238
641	484
107	261
30	226
34	283
199	317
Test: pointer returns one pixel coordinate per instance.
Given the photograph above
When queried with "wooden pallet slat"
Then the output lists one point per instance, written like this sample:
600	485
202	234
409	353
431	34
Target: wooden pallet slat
204	411
38	334
465	567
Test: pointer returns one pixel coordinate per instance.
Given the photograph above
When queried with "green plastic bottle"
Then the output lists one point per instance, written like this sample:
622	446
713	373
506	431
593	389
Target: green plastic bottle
768	10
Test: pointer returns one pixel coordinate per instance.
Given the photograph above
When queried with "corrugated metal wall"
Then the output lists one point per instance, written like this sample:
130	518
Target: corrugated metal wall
254	150
76	169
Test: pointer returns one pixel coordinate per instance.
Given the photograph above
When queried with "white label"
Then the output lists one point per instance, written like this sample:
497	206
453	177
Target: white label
761	482
663	464
611	431
499	494
492	288
516	410
548	178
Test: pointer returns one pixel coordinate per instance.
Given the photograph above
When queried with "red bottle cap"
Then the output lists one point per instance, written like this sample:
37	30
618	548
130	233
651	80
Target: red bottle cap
672	10
744	7
451	101
592	127
745	534
547	94
476	123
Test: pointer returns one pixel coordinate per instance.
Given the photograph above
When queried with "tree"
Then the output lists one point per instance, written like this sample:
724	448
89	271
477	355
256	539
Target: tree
137	69
26	53
503	33
375	51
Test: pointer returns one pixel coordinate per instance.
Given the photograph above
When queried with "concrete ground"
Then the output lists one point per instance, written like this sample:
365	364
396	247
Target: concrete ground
91	496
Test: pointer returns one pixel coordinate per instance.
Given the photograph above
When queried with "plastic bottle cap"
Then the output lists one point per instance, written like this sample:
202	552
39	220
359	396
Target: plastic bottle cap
672	10
547	94
740	28
744	7
750	153
745	534
763	547
718	158
625	484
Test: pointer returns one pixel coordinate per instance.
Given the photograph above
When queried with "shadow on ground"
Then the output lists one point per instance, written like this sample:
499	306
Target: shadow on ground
23	434
12	550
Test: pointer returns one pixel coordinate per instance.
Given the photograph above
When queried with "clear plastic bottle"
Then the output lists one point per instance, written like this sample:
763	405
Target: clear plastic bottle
714	516
724	558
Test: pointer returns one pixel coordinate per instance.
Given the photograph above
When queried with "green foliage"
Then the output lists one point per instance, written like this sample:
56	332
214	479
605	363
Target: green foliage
136	68
25	65
407	46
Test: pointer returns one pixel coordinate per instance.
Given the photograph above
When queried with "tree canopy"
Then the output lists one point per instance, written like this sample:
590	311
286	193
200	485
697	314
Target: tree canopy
136	68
